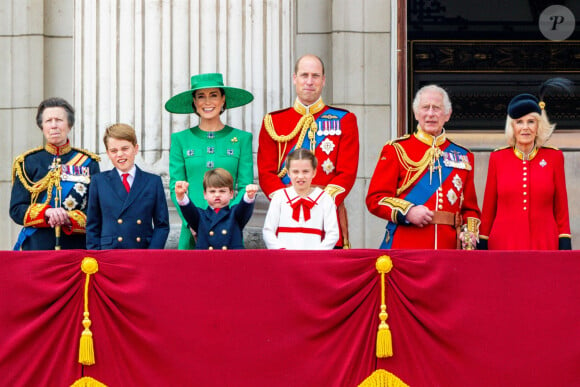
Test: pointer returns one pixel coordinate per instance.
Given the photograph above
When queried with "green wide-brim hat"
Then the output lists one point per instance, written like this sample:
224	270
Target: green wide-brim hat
183	102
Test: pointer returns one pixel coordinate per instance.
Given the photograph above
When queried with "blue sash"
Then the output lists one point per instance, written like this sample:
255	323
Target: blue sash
319	138
66	187
422	191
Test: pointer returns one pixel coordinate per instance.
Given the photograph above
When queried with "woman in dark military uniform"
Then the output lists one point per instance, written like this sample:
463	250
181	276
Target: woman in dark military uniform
50	184
209	145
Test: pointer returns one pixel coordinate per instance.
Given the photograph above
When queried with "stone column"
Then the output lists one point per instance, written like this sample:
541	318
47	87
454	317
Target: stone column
132	56
36	42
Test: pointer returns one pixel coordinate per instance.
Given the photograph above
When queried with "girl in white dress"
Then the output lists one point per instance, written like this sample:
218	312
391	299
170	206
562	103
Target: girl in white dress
301	217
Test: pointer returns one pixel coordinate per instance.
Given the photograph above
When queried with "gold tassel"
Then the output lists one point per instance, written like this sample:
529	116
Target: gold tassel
383	378
384	339
87	381
86	351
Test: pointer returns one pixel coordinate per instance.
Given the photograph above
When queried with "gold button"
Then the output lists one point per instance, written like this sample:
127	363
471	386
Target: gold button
224	231
138	221
211	233
138	239
525	201
210	248
525	174
525	208
525	185
525	168
120	239
120	221
525	178
224	247
440	207
525	193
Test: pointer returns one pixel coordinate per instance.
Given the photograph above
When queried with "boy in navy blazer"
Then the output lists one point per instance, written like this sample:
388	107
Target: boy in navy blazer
127	206
219	226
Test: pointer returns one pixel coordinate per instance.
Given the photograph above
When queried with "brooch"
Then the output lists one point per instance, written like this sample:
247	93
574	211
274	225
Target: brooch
234	140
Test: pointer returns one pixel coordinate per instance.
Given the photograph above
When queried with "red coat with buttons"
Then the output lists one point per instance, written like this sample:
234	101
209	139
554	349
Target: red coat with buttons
455	194
525	206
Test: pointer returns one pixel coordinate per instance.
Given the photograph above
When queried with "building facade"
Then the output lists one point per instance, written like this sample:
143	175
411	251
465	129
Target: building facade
119	61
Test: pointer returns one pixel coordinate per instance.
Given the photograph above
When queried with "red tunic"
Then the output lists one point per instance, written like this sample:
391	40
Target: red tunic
400	162
525	206
337	151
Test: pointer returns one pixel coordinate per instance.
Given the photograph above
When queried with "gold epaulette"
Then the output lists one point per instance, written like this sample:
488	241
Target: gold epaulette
391	142
92	155
19	161
461	146
501	148
550	147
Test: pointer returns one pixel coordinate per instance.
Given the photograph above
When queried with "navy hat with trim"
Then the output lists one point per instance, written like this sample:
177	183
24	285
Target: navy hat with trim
523	104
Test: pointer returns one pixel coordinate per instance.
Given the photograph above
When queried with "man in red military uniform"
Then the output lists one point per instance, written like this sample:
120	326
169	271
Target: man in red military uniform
423	183
331	133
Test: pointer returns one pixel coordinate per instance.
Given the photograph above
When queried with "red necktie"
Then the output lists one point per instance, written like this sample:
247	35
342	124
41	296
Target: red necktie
306	205
126	182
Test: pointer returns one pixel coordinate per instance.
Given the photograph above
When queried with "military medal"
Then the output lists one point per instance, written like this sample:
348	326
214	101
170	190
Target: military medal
457	182
327	146
451	196
455	159
327	166
543	163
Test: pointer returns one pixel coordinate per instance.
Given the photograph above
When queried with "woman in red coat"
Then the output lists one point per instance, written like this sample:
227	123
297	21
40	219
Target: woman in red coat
525	206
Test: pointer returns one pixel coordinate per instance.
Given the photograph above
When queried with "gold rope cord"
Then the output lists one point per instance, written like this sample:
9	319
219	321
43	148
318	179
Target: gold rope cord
414	168
307	123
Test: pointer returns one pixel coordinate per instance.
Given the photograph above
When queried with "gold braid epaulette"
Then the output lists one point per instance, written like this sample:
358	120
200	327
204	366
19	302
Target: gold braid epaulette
92	155
18	165
300	126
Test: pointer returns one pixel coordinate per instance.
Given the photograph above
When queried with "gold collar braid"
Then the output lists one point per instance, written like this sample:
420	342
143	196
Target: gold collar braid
525	156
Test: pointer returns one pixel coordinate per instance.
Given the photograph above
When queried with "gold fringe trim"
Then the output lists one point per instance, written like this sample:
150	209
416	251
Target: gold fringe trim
86	351
383	378
87	381
384	339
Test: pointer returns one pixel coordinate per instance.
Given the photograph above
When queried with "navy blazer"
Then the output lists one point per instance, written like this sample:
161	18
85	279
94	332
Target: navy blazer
222	230
120	220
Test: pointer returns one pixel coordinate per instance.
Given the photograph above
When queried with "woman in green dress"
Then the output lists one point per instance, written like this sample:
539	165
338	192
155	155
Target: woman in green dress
210	144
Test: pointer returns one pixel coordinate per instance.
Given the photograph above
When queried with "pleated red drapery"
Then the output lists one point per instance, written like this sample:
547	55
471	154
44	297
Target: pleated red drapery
291	318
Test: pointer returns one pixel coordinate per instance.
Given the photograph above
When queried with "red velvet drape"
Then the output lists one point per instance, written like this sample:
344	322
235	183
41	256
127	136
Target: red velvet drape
285	318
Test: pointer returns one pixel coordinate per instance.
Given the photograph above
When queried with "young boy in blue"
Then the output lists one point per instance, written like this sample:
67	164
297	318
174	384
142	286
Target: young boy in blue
219	226
127	206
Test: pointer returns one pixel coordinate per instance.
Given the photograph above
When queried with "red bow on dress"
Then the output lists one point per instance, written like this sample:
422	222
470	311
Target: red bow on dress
306	205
